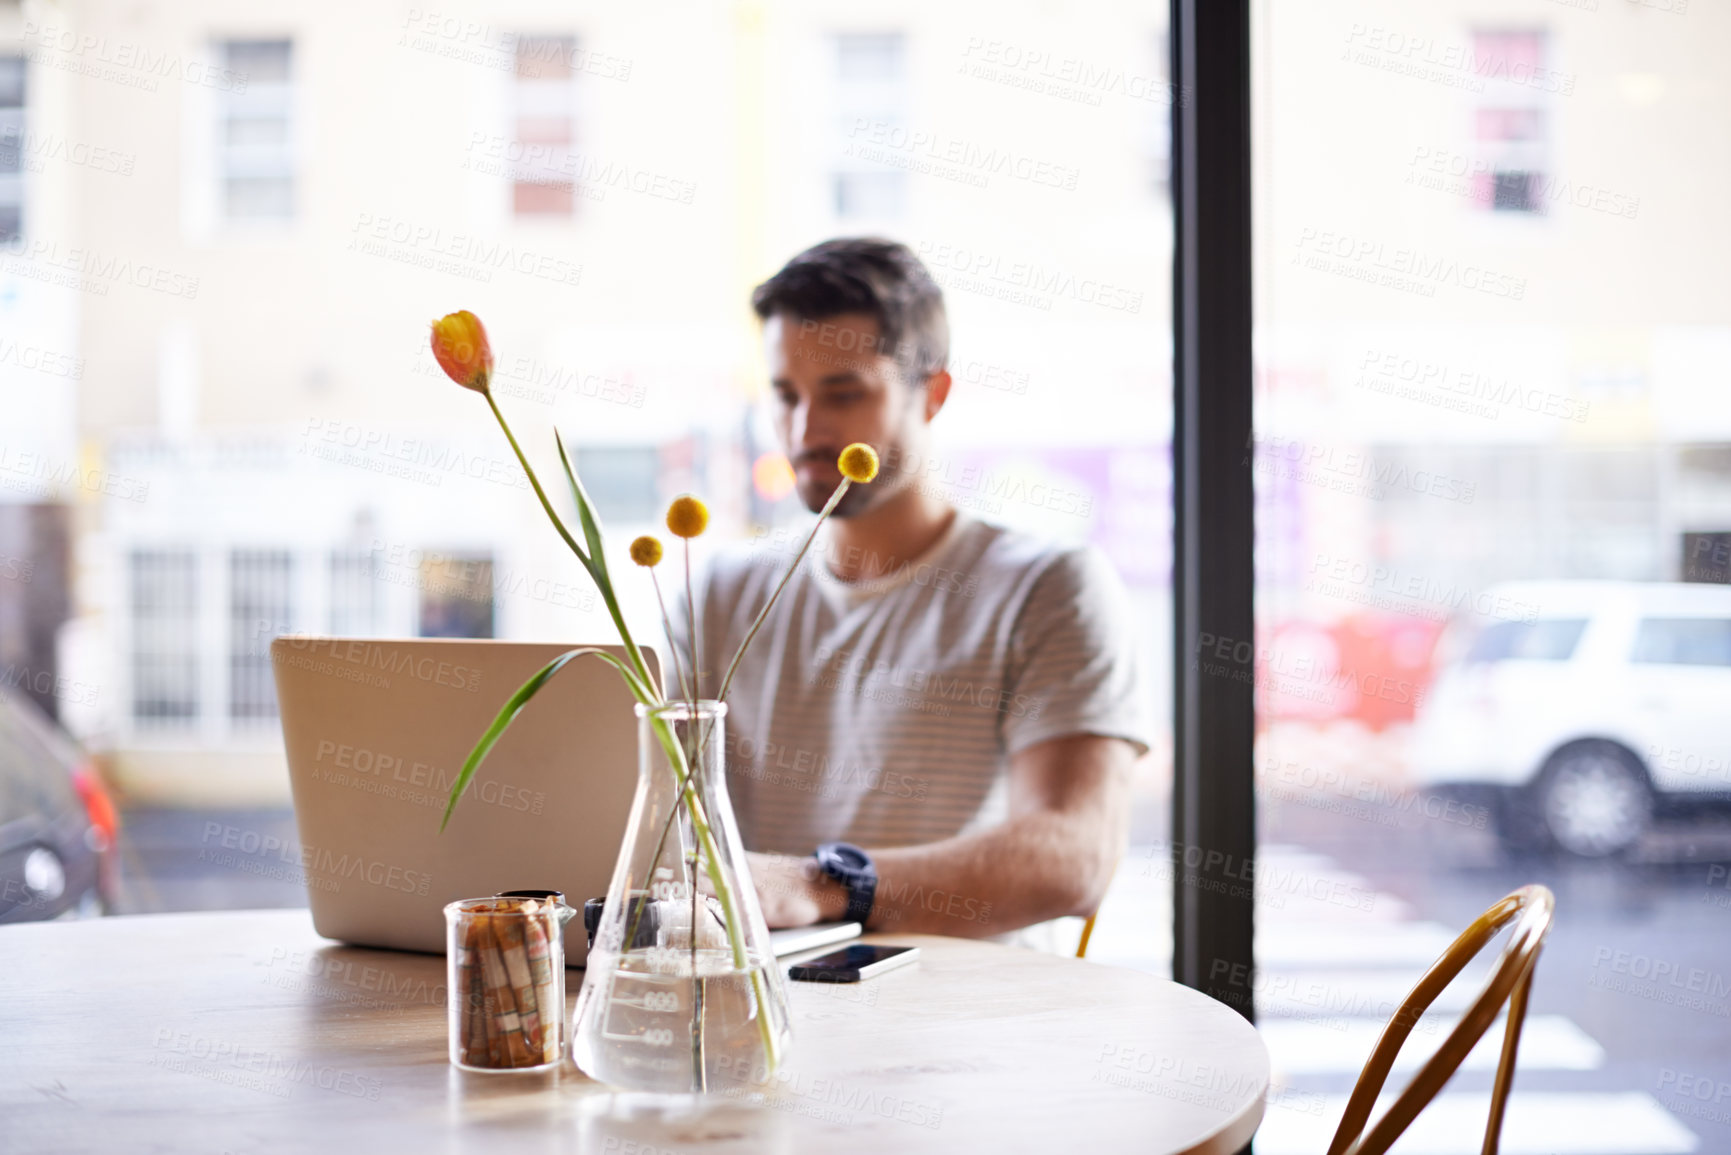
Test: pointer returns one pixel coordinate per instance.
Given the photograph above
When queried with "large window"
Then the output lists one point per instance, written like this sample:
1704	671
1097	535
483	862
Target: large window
603	188
357	596
456	595
1154	89
165	637
624	481
261	606
255	152
544	127
13	148
1489	459
1511	120
872	130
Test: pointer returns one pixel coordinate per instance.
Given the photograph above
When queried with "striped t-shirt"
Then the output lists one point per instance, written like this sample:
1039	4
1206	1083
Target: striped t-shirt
883	712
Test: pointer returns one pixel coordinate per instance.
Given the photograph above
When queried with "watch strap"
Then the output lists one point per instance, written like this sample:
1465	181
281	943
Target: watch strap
862	891
860	880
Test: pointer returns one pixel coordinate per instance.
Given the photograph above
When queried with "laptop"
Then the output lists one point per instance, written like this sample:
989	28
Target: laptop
376	732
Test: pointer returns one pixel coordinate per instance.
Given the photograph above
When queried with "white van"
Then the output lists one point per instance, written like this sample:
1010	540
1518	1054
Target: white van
1585	709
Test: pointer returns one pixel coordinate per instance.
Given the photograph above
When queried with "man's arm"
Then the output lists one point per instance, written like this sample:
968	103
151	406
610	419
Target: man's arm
1069	802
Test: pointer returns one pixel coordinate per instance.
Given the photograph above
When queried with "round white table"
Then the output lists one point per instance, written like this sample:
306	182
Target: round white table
247	1032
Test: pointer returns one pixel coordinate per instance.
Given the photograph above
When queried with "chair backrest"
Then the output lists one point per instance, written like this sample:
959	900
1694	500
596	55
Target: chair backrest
1530	909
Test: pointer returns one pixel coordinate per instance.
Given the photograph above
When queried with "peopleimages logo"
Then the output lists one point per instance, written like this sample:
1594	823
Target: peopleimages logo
776	764
335	973
1399	266
241	1064
465	254
136	65
389	775
45	476
1390	587
1660	980
1036	282
92	270
1297	673
315	859
791	1089
362	656
1458	387
36	147
964	158
1457	65
1353	471
853	670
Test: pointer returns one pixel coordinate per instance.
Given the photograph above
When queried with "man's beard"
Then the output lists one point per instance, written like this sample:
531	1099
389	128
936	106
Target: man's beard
858	498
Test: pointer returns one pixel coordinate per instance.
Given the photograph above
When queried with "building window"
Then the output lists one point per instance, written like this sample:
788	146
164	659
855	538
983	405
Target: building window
261	606
544	128
1510	123
164	637
356	602
456	595
11	148
871	123
623	482
1157	120
255	131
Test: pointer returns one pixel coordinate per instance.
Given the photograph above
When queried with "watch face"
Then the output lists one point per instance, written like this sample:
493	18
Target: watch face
843	858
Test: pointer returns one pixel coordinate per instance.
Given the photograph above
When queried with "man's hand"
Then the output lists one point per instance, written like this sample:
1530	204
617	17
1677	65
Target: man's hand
795	891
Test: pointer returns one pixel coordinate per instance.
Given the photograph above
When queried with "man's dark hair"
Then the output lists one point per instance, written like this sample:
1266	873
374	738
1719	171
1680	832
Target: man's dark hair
880	278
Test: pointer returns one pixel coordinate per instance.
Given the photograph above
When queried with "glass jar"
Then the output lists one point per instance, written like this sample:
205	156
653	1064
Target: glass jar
682	991
505	967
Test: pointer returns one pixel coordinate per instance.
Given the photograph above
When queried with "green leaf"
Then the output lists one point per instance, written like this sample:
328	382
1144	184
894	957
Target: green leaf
514	706
597	564
585	507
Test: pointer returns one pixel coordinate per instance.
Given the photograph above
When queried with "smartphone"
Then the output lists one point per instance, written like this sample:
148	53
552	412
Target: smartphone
852	963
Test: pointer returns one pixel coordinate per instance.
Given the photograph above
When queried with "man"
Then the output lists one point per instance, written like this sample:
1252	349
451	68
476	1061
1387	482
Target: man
958	706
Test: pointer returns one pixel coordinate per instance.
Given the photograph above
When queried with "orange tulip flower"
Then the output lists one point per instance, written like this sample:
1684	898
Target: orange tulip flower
460	346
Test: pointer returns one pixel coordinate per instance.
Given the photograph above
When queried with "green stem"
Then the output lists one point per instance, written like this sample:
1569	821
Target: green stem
535	481
650	693
631	646
726	682
667	624
691	616
828	506
724	892
597	567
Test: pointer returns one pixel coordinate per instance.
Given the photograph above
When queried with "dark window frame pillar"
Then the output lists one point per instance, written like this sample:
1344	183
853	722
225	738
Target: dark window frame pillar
1213	580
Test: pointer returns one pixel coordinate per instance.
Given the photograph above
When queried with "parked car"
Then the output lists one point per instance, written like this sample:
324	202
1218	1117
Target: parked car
57	824
1578	710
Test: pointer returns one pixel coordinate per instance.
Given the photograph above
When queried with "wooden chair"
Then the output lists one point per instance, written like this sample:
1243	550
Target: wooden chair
1529	909
1087	933
1088	926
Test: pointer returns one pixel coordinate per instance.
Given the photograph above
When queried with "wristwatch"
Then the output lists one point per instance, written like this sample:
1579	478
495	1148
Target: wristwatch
854	869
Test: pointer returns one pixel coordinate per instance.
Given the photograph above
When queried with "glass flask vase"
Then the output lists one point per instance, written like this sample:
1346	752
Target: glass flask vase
681	992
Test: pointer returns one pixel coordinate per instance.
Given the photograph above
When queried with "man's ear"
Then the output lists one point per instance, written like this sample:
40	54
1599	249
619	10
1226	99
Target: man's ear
937	392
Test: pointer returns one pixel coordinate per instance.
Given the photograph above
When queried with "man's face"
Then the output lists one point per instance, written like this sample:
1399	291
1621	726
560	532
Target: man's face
833	385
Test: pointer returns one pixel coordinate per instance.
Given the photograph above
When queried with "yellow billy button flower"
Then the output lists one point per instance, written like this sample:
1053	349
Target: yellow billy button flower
687	516
646	551
460	346
858	462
